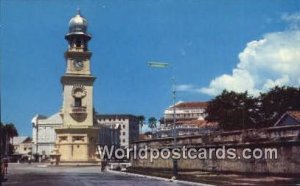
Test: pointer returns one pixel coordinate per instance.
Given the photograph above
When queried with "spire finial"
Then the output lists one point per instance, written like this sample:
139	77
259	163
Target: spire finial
78	11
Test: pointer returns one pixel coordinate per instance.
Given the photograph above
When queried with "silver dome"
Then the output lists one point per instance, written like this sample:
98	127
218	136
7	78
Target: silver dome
78	23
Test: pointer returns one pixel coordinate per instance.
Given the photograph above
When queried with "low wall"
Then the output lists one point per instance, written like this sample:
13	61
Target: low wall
285	139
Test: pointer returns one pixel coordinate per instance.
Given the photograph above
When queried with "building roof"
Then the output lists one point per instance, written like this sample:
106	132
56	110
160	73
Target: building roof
293	114
54	119
186	105
37	117
20	139
104	116
199	123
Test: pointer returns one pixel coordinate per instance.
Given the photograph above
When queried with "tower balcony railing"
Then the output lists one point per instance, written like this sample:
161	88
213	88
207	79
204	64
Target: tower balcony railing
78	109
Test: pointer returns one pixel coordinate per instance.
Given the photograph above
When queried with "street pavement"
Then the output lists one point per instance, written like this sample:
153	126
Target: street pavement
40	175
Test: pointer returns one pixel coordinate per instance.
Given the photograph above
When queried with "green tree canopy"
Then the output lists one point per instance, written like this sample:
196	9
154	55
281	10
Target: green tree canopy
8	131
276	102
232	110
239	110
152	122
141	120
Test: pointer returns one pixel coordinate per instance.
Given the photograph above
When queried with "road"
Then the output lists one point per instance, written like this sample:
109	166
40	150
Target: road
37	175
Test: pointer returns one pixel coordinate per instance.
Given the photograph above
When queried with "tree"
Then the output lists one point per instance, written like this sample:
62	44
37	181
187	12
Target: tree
239	110
8	131
141	119
2	138
232	110
275	103
152	123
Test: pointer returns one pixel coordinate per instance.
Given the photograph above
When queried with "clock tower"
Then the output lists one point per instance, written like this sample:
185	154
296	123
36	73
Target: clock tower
77	82
76	139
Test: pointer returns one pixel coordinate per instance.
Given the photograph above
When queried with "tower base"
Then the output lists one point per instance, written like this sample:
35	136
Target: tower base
77	146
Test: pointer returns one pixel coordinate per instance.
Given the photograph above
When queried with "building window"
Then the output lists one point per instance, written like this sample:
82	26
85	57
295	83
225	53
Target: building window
124	126
62	138
123	133
78	138
123	140
77	102
78	43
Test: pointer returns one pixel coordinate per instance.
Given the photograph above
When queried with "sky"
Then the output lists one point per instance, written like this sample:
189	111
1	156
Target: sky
211	45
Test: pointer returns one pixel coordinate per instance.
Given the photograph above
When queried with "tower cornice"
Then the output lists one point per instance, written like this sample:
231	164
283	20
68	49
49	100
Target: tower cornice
76	78
83	54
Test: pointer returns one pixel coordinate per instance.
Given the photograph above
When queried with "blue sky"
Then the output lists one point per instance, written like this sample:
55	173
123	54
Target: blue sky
211	45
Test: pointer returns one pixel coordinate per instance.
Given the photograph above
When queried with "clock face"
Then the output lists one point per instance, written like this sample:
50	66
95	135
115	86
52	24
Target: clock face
78	64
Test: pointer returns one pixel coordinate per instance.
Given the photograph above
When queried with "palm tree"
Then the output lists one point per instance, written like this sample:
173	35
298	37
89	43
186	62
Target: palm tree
152	123
2	138
9	131
141	119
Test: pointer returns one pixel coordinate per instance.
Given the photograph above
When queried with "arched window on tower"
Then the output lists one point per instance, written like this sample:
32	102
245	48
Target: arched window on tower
78	43
77	102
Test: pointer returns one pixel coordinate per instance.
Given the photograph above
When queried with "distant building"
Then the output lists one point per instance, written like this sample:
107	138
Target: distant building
289	118
187	128
43	133
184	111
109	135
190	120
129	126
22	146
145	136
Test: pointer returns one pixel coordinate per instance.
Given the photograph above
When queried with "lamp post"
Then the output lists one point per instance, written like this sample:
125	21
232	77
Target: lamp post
175	168
166	65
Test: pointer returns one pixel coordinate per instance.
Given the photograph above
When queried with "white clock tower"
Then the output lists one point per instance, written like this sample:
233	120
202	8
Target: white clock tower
77	138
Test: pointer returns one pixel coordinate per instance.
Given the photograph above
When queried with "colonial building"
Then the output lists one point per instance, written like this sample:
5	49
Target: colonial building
76	140
128	124
22	147
289	118
187	128
43	133
109	135
73	135
184	111
189	118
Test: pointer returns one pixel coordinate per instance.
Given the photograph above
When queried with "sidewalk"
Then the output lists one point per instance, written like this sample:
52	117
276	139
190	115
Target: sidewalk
159	178
208	178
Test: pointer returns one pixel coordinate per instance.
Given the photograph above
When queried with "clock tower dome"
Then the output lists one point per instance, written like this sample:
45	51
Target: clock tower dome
76	140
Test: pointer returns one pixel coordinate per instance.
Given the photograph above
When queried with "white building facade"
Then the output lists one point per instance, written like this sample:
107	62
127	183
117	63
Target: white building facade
22	146
184	111
190	120
43	133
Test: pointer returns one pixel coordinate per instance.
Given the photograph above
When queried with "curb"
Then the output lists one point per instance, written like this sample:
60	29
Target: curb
159	178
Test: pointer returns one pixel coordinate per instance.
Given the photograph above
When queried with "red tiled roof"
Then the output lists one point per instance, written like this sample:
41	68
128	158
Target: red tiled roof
294	114
192	105
199	123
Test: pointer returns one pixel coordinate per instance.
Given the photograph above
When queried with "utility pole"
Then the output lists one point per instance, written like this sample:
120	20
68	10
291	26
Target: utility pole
165	65
175	167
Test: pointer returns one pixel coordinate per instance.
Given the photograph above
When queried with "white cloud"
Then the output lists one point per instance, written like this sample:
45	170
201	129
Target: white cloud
185	87
293	19
272	60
